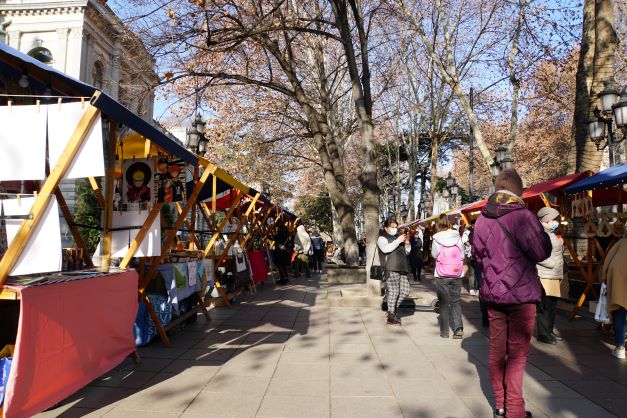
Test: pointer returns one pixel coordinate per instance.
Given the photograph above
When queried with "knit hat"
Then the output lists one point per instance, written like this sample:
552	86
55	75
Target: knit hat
547	214
509	180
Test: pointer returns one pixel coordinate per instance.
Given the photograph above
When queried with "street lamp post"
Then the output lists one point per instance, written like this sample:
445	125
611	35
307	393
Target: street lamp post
451	191
502	161
613	103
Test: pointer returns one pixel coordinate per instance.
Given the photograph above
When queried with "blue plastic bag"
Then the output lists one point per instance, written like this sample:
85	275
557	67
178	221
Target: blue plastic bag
5	368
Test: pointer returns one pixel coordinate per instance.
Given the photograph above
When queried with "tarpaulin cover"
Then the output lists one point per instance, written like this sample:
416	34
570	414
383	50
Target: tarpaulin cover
613	176
62	83
68	335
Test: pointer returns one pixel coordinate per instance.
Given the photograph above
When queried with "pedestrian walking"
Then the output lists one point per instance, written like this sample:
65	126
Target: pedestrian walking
282	252
613	273
507	242
551	273
415	256
448	251
319	249
302	246
393	251
472	279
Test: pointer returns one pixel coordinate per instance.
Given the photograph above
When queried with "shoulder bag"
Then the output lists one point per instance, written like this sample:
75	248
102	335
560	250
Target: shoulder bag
376	272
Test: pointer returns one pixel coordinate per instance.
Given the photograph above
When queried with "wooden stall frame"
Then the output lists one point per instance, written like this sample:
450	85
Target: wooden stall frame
25	232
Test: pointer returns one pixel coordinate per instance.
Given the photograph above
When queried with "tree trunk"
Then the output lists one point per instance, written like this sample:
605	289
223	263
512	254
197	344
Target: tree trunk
605	42
362	98
515	82
583	154
435	149
337	227
411	181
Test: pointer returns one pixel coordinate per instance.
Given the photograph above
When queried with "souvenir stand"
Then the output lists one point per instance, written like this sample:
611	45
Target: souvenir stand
67	328
598	200
233	214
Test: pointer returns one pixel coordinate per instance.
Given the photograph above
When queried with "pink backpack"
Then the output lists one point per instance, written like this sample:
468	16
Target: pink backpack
450	262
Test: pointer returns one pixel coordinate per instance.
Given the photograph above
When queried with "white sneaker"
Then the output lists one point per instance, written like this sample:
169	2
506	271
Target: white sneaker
473	292
618	353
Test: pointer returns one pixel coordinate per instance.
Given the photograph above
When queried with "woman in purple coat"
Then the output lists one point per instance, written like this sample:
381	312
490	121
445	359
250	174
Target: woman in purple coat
508	241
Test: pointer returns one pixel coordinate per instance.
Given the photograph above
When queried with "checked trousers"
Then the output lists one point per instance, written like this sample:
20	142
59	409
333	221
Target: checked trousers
398	289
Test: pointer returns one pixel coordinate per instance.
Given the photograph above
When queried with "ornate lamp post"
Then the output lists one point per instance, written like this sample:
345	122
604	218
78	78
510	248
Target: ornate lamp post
502	161
196	140
613	103
451	191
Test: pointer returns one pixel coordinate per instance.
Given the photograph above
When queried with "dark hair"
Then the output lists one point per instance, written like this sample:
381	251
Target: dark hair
509	180
442	224
389	221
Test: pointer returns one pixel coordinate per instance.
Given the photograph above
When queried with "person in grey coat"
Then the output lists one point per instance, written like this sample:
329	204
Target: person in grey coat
551	273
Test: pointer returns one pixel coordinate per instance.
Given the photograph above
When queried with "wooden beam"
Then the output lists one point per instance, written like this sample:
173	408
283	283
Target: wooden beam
97	191
237	229
24	234
191	200
192	230
73	229
139	238
216	235
545	200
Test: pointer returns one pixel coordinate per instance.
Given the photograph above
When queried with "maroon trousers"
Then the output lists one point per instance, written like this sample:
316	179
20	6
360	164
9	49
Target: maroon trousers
510	338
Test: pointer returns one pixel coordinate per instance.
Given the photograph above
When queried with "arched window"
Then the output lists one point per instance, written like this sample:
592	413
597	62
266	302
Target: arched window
97	74
42	54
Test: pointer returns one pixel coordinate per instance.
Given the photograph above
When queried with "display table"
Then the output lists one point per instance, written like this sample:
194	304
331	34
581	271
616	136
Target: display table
69	333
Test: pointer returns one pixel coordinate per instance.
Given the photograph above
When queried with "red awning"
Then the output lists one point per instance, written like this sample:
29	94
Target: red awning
532	195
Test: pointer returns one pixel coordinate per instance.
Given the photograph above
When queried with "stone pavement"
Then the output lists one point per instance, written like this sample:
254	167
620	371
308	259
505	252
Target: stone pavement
283	353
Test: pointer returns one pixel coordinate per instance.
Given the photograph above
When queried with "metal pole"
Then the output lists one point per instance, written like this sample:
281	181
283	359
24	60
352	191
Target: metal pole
610	140
471	163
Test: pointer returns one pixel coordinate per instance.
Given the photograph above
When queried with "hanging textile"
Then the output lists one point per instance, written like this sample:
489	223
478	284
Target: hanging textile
23	143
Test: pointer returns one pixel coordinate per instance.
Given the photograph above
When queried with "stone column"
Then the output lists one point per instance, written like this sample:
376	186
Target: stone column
114	83
14	39
61	55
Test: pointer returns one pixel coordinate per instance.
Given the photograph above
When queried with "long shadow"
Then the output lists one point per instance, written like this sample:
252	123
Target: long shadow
577	369
256	325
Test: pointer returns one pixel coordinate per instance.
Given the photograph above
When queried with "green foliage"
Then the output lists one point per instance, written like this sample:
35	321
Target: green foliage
87	212
315	211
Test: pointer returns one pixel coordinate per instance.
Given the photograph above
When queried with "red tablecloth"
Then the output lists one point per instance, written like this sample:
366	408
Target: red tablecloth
258	266
69	334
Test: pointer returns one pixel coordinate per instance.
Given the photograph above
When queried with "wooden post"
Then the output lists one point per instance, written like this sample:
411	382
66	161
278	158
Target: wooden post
193	217
109	193
24	234
132	249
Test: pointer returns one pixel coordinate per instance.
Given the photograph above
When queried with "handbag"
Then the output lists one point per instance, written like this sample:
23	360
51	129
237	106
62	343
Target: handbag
376	272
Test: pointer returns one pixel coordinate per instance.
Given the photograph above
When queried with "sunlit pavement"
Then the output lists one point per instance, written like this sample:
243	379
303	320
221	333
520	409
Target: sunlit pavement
283	353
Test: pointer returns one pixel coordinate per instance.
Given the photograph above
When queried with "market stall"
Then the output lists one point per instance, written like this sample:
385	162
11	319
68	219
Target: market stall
65	327
597	203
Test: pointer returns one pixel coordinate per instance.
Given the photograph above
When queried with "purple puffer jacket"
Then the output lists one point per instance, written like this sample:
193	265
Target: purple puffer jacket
509	277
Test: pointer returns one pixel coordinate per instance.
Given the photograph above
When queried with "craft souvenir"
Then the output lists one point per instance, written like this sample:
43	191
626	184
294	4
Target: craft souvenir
590	228
618	228
604	229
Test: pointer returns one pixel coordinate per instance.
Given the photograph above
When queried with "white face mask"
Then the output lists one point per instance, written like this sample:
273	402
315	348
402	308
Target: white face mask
393	231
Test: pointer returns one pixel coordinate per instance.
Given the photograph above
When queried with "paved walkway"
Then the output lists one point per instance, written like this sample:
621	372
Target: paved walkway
284	353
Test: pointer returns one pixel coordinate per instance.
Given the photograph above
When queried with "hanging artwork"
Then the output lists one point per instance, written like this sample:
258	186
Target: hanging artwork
23	143
138	182
169	180
42	252
62	122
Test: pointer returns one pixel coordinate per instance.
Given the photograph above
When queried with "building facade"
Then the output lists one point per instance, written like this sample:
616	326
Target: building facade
86	40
